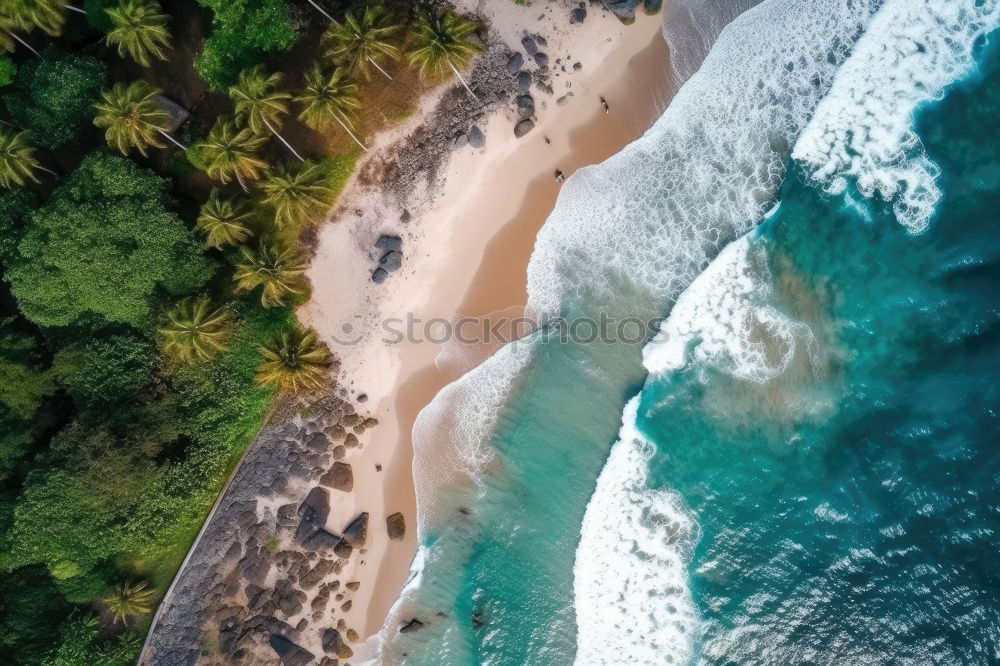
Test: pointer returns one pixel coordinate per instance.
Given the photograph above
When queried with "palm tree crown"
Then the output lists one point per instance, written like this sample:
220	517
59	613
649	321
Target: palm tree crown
362	42
195	331
329	98
224	221
131	117
17	159
260	104
230	152
46	15
295	192
440	41
294	361
129	599
140	30
279	273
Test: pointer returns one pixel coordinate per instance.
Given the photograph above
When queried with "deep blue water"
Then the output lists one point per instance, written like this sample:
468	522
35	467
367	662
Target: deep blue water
850	509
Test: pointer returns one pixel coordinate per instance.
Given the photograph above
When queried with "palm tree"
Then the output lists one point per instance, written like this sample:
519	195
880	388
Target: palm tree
440	41
195	331
9	25
224	221
131	117
279	273
140	30
359	42
296	192
229	152
260	104
129	599
17	159
329	97
46	15
295	360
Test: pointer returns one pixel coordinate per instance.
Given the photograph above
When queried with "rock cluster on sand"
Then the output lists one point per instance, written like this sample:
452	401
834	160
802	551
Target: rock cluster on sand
391	259
625	9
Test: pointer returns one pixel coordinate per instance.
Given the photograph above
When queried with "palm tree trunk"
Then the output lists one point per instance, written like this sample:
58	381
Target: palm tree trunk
75	9
356	140
323	12
54	174
375	64
23	43
282	140
171	139
459	75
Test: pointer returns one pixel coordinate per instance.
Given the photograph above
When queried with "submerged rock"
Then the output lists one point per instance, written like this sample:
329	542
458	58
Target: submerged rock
411	626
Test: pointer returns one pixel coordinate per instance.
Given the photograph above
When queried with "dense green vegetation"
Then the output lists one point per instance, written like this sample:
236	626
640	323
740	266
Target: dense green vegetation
148	275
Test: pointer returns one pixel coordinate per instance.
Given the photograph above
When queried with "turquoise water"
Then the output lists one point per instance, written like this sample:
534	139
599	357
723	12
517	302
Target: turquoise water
843	510
865	530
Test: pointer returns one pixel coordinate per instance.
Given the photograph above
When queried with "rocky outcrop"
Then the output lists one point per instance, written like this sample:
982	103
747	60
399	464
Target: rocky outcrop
340	477
395	526
356	533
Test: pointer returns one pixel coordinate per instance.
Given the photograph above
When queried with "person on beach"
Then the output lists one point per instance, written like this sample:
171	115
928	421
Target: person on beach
604	103
560	176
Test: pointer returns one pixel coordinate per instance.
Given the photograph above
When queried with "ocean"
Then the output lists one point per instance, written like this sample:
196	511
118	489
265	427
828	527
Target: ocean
797	465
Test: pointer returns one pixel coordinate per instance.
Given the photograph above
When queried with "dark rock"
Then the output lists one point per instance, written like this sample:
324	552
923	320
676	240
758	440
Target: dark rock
652	6
346	606
525	105
316	506
476	137
351	420
343	549
395	526
321	540
329	661
523	127
391	260
340	477
460	141
405	216
389	242
357	532
289	653
530	46
514	64
411	626
379	275
541	40
336	431
354	585
623	9
322	569
339	452
577	66
523	81
542	59
317	441
578	14
362	397
331	640
562	101
351	441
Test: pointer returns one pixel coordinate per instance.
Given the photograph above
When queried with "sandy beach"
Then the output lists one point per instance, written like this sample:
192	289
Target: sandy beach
467	236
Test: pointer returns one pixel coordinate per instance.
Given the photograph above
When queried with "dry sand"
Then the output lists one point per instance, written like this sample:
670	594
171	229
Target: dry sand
466	250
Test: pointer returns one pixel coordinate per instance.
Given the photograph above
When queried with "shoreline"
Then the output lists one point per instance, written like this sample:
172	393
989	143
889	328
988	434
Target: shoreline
466	246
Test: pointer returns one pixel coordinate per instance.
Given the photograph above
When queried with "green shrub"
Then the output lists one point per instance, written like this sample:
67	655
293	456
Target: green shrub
97	14
104	243
30	607
244	33
24	383
105	370
7	70
80	644
14	208
53	96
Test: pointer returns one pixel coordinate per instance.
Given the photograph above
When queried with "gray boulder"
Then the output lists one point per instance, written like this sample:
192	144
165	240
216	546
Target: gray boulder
289	653
340	477
389	242
525	105
395	526
476	137
523	127
357	532
514	64
391	261
523	81
542	59
379	275
530	46
578	14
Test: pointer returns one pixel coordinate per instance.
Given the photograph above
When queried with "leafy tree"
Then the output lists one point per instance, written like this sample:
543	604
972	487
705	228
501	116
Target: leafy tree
30	606
195	331
15	205
260	104
244	32
131	117
440	40
24	382
362	42
80	644
279	273
230	153
46	15
104	243
17	159
105	369
224	221
129	600
7	66
295	361
53	96
329	97
296	192
139	30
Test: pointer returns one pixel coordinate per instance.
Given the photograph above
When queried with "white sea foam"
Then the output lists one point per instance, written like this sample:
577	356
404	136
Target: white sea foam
724	321
863	129
650	218
633	605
